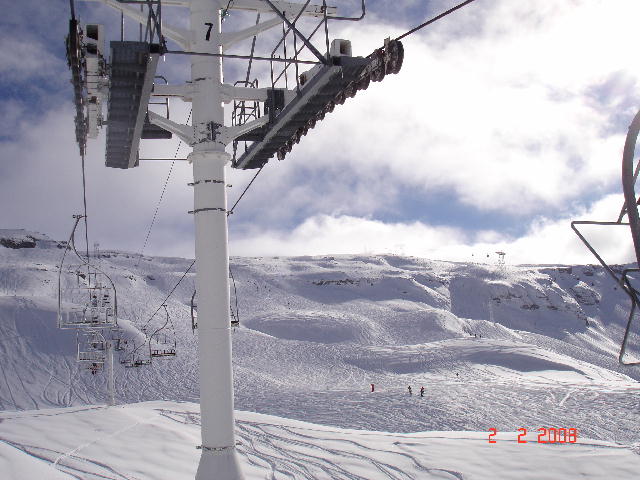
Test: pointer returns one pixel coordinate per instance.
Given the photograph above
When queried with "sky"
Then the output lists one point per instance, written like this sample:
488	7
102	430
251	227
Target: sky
506	122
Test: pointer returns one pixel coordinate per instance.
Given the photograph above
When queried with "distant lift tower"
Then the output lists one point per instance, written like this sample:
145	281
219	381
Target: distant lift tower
289	113
501	262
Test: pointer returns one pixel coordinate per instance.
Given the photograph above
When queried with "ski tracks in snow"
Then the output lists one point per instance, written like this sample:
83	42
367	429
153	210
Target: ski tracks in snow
78	467
71	462
565	398
70	459
290	453
308	454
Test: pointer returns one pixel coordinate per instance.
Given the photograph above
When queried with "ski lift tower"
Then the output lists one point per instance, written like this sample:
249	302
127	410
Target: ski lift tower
289	113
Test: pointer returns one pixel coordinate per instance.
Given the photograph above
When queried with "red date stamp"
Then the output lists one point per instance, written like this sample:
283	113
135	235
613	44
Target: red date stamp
545	435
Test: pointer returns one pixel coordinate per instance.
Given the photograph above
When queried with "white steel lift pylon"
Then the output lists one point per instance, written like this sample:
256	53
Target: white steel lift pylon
292	112
218	459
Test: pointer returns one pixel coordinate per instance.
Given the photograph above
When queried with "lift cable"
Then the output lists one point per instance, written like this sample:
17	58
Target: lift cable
235	316
162	305
84	201
164	188
230	212
253	48
72	6
225	11
164	302
158	330
434	19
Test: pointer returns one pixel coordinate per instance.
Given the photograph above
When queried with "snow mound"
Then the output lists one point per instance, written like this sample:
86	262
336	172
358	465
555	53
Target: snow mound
481	358
308	326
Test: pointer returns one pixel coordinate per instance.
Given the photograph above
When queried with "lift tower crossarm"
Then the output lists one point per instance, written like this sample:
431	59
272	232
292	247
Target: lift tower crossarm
289	8
178	35
232	133
229	38
184	132
182	91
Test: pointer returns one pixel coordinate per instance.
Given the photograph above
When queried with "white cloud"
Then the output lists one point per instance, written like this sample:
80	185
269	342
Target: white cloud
27	59
515	107
40	188
513	117
547	241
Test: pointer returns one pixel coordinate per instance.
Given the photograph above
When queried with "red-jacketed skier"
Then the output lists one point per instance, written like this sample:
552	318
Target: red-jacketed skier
422	391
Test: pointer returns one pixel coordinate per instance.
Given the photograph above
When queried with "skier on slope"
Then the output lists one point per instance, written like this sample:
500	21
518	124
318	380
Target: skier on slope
422	391
409	388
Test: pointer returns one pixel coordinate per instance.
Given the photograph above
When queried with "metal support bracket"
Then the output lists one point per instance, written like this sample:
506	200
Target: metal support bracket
182	91
231	92
234	132
230	38
178	35
184	132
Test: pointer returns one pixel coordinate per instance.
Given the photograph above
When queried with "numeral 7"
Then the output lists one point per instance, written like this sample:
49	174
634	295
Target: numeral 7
208	35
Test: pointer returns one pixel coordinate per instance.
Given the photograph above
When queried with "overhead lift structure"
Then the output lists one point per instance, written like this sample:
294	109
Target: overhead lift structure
133	68
288	112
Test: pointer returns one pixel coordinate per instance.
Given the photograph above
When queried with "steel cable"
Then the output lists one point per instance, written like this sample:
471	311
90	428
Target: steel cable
164	188
434	19
84	201
229	212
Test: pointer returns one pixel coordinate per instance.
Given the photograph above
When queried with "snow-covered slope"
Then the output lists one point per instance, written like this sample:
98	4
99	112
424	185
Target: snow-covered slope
155	440
525	347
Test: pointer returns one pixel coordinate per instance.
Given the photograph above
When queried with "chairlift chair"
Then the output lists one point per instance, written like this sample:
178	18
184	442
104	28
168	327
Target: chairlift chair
89	293
233	313
134	358
91	347
89	305
194	312
117	344
135	362
94	367
162	342
164	352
